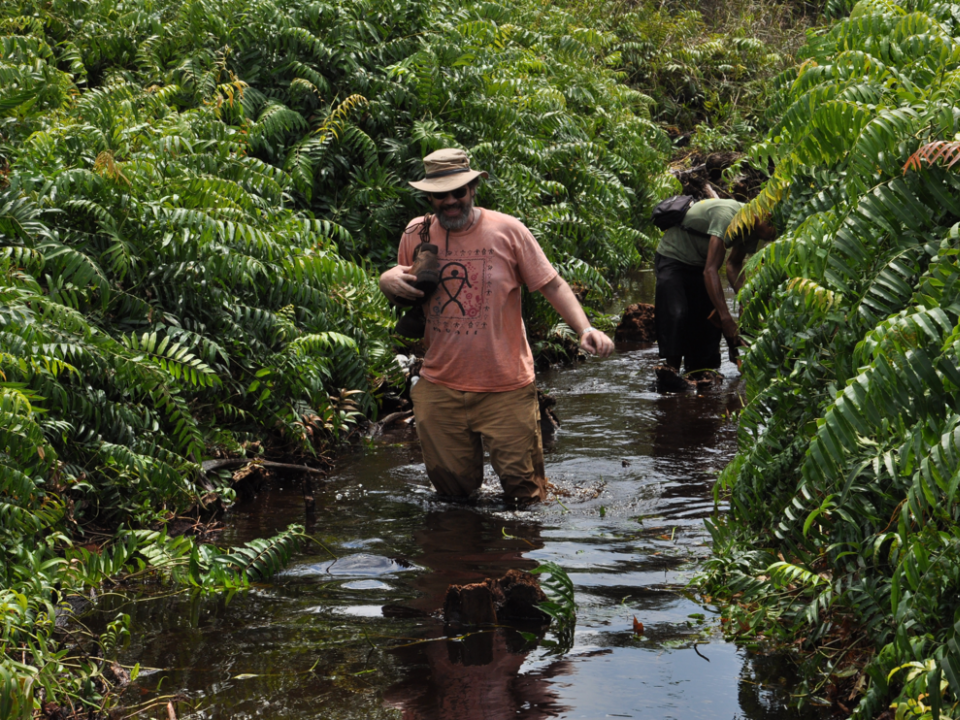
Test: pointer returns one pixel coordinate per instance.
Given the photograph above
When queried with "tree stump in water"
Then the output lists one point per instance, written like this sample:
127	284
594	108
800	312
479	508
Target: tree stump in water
522	595
515	596
471	604
638	324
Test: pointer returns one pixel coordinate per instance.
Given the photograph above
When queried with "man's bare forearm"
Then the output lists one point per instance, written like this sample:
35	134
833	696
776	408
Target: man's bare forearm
715	290
735	267
711	280
560	295
735	275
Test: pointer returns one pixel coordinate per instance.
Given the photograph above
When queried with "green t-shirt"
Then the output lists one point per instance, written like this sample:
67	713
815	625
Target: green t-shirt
705	218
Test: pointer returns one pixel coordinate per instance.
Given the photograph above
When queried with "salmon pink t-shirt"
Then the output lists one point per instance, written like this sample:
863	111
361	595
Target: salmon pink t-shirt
475	338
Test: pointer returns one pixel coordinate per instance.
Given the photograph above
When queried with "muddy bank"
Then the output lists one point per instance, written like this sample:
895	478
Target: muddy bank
637	324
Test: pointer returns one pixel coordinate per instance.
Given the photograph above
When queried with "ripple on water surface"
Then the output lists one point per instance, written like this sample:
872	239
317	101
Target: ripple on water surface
356	565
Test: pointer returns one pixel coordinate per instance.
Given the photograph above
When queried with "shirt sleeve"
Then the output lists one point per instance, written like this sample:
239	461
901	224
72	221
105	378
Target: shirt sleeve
535	270
720	218
721	221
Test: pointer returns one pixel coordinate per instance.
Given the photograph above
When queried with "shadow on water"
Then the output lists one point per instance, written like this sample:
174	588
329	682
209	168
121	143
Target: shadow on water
358	636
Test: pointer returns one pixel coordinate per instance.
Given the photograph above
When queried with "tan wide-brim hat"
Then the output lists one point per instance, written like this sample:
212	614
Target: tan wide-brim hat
446	170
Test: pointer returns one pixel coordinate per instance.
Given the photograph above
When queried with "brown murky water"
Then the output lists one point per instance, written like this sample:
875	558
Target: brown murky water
316	642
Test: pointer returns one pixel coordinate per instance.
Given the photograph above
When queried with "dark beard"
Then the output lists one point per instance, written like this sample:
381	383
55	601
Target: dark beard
466	216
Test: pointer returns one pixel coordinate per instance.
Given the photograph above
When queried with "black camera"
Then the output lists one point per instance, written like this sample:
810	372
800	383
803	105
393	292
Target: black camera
426	266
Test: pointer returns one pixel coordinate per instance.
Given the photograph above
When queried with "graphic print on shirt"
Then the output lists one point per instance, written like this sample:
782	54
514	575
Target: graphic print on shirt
460	305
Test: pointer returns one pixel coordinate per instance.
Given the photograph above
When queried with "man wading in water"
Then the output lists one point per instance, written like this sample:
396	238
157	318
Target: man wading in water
476	386
687	266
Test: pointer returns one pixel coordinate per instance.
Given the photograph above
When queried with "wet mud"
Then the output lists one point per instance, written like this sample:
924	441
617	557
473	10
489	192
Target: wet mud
638	324
358	631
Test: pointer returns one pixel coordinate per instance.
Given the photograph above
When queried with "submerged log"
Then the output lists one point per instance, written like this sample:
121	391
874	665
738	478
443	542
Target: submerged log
515	596
669	379
211	465
705	379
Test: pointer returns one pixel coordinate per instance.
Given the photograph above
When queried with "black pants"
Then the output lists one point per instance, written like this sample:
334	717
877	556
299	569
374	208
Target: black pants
682	308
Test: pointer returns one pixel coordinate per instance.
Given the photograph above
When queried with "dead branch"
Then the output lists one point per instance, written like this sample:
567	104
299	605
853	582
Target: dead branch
690	171
211	465
378	427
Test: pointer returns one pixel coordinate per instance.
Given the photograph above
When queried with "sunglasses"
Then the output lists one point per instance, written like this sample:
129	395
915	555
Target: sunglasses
458	193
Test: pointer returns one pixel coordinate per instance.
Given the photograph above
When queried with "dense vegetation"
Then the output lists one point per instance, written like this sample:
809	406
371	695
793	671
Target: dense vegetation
710	71
843	531
195	199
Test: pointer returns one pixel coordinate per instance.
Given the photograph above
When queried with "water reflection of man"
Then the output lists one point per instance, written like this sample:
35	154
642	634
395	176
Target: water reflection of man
476	678
693	438
461	545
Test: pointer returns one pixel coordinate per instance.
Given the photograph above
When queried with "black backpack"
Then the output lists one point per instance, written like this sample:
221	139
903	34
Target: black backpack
671	212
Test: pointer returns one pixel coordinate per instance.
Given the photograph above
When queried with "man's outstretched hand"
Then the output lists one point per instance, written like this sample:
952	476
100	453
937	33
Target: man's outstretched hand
728	326
596	343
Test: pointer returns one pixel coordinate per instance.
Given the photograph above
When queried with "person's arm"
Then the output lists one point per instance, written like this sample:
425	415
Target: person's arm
395	283
735	266
561	297
711	279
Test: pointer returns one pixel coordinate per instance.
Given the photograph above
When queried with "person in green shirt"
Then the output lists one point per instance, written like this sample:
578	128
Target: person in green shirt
687	266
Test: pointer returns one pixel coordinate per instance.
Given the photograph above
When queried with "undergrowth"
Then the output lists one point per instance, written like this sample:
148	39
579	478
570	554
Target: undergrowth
709	67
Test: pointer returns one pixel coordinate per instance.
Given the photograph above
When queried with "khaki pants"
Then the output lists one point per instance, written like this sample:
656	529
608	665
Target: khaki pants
454	427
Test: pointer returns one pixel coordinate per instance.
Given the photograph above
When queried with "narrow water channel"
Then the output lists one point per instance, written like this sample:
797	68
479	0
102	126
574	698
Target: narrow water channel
353	637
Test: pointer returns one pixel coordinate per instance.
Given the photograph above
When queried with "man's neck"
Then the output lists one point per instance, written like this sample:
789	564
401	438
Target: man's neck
474	216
